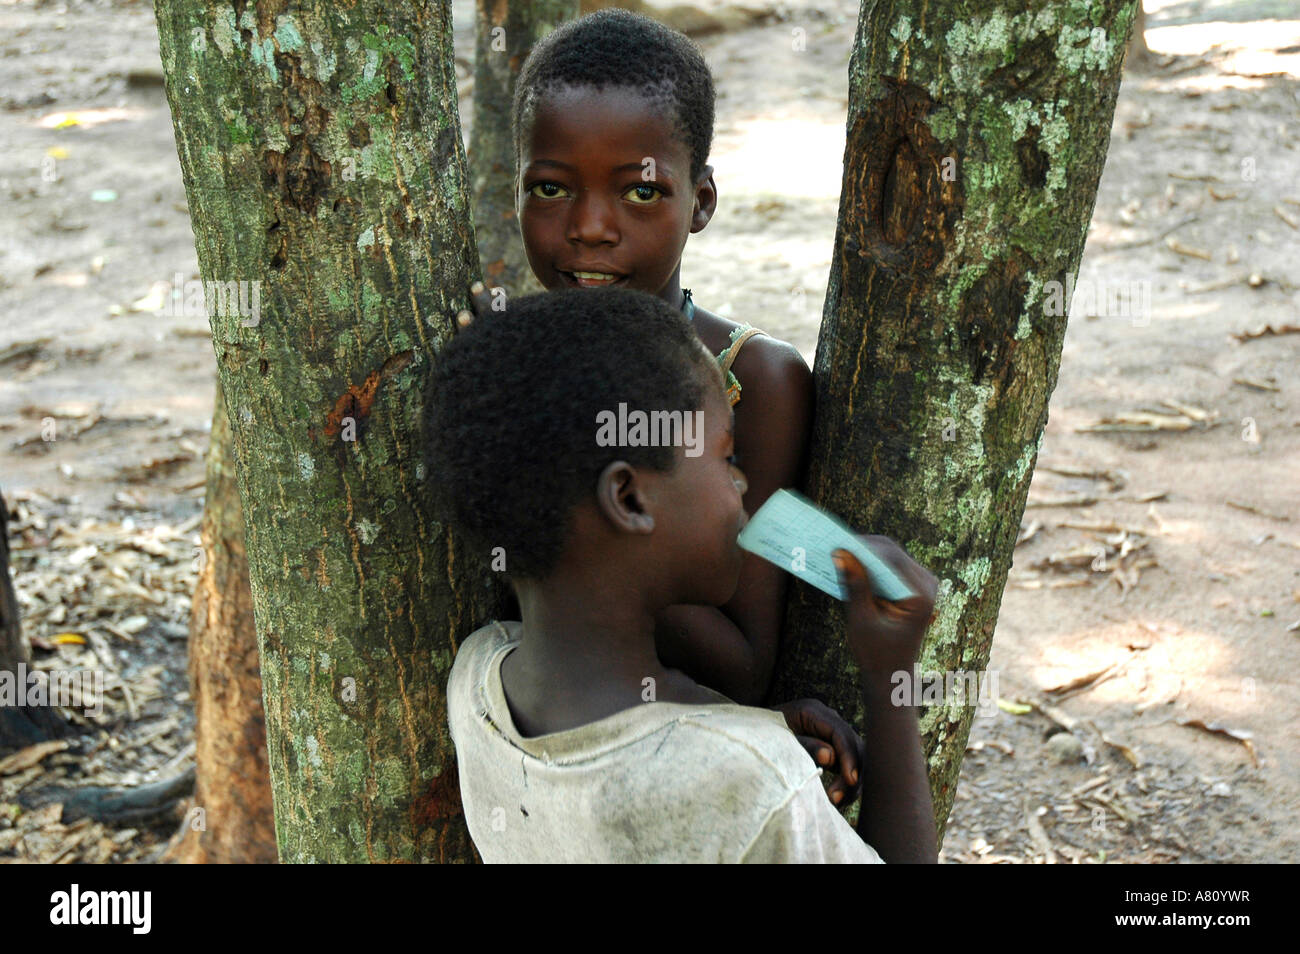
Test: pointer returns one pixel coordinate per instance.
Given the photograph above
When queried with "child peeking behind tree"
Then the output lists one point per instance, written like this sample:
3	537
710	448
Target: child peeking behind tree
613	121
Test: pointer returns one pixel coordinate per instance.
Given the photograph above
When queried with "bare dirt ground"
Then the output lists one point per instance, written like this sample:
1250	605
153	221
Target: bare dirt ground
1158	582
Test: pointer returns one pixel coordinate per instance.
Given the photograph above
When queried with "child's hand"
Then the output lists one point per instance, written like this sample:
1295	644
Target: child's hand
480	299
886	637
831	742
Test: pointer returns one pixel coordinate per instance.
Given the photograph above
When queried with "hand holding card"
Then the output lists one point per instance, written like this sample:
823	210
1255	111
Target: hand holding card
793	533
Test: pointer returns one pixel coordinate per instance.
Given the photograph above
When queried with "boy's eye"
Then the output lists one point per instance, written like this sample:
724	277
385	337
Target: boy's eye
546	190
642	194
734	461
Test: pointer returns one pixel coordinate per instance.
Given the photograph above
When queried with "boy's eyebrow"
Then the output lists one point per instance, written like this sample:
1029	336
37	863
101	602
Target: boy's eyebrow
626	167
551	162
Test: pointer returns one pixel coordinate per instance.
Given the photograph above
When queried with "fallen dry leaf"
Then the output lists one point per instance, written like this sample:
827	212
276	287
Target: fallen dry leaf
1286	217
1089	680
1249	508
1081	500
1140	422
155	467
1267	331
1036	584
1004	747
26	758
1238	735
1257	384
1200	288
1123	750
1116	479
1039	835
1190	410
1176	246
1028	533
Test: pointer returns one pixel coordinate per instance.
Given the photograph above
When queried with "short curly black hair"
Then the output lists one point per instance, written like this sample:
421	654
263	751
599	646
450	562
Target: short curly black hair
513	405
618	48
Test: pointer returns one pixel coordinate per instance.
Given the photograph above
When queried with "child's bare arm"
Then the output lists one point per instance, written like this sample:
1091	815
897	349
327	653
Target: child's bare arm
705	644
896	816
734	650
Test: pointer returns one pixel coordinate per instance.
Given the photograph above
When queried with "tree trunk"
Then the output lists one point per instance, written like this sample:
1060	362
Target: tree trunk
231	820
233	786
975	145
506	32
20	726
12	648
1139	54
322	157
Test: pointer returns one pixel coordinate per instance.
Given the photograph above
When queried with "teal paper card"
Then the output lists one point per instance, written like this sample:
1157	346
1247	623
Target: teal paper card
799	537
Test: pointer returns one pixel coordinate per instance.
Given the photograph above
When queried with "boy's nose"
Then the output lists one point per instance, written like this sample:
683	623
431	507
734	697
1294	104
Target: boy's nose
592	221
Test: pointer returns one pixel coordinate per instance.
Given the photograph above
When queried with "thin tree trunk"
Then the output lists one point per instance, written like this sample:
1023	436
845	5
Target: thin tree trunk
322	157
976	138
1139	54
231	819
506	32
20	726
12	648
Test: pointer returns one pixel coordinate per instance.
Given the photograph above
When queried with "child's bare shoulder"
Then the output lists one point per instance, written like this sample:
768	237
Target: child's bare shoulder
766	366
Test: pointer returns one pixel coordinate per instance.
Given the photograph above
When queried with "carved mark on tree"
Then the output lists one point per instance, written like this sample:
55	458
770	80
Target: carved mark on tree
904	208
357	400
990	314
299	176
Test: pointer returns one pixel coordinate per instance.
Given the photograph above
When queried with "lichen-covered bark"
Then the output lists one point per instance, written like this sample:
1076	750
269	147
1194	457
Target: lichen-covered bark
506	33
977	132
232	784
321	152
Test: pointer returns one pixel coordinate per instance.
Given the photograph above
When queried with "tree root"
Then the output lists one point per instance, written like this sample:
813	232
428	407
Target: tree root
120	806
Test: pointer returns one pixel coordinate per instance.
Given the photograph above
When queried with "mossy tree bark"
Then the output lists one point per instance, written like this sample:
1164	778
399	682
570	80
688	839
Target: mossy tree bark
321	153
232	786
505	34
977	133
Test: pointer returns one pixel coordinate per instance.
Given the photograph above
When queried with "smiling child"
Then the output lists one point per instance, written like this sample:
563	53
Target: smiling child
613	121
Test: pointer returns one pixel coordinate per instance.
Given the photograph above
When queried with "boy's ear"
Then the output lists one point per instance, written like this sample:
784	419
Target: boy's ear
706	200
620	495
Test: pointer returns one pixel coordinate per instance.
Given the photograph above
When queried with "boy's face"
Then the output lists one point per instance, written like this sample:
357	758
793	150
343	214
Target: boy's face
700	509
605	187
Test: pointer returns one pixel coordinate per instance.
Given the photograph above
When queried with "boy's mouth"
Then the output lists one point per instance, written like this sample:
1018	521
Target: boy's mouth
591	279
